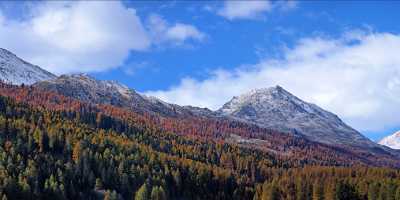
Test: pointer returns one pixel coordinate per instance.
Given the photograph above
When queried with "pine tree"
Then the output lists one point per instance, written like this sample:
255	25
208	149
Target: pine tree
373	191
318	191
99	184
38	136
391	191
158	193
398	193
142	193
300	189
329	192
270	191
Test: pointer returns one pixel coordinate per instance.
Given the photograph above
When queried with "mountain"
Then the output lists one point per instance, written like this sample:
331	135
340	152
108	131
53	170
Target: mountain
272	108
53	147
16	71
392	141
278	109
259	119
88	89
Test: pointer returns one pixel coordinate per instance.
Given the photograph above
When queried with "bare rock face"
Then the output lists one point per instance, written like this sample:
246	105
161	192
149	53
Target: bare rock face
14	70
392	141
278	109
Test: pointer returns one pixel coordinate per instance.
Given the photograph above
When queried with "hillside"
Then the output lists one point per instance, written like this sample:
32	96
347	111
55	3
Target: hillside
273	109
67	149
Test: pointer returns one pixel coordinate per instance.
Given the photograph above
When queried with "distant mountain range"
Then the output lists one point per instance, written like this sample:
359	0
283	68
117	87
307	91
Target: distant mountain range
392	141
272	108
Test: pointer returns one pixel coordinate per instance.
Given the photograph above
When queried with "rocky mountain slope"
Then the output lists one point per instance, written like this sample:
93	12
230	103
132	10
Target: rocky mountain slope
86	88
392	141
272	108
16	71
278	109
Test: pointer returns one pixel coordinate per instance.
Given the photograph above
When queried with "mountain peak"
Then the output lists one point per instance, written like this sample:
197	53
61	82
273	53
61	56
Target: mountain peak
269	90
392	141
16	71
278	109
262	98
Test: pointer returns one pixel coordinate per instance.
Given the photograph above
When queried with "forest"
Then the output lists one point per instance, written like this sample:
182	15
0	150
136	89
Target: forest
54	147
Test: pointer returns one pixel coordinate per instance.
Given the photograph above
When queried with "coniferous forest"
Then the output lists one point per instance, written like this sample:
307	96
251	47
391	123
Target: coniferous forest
54	147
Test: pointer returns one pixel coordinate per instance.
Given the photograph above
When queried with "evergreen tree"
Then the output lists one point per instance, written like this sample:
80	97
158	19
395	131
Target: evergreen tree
398	193
270	191
373	191
158	193
99	184
318	191
142	193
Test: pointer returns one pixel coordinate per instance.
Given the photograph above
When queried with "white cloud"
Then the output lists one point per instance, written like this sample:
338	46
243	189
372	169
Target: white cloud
181	32
84	36
178	33
244	9
356	76
79	36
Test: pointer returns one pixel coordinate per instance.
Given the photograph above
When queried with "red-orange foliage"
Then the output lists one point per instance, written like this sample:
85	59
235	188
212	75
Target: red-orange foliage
284	145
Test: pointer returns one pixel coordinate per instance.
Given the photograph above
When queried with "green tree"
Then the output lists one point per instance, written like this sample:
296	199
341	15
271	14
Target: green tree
398	193
142	193
99	184
39	139
345	191
158	193
270	191
318	191
373	191
300	189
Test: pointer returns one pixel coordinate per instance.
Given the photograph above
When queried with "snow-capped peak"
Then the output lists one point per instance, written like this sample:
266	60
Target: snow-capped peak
16	71
392	141
278	109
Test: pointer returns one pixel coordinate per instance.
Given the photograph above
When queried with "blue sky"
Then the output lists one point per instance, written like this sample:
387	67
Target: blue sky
340	55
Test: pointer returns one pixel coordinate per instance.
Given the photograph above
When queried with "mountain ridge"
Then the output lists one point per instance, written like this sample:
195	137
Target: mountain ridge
286	113
278	109
87	88
15	70
273	108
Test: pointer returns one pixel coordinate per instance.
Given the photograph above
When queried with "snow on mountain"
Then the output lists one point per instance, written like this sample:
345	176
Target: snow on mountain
278	109
16	71
392	141
272	108
86	88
